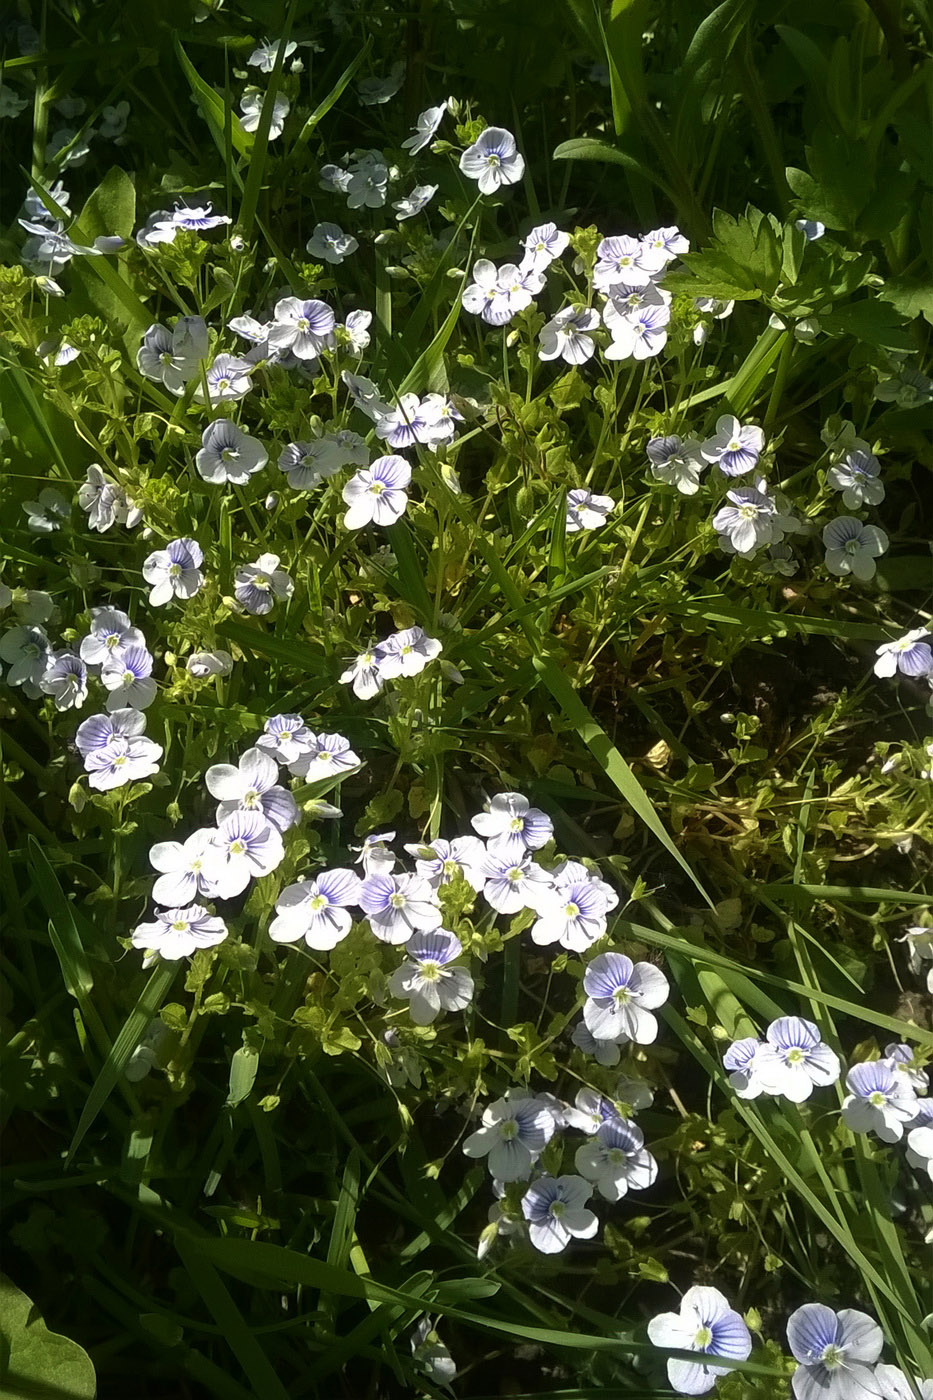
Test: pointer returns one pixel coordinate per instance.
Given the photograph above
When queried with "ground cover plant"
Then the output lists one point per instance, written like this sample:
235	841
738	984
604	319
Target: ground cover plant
466	696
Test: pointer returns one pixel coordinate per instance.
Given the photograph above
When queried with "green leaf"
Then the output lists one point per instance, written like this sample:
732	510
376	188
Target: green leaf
36	1364
910	296
873	321
212	107
585	148
63	928
111	208
243	1070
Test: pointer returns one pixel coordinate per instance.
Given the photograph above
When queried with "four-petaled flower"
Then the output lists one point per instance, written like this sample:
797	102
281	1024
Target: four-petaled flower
911	654
328	241
515	1131
304	327
228	454
793	1060
880	1100
425	128
735	447
584	511
252	786
555	1209
377	493
835	1351
177	933
245	847
857	477
493	160
707	1325
620	997
427	980
616	1160
398	906
174	572
258	586
567	335
181	868
317	910
852	547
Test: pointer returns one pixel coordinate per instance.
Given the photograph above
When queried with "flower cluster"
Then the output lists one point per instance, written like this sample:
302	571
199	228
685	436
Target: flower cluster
515	1132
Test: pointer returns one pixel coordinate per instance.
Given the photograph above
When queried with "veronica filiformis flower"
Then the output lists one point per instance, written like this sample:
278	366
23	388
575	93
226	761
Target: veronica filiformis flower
65	679
793	1060
245	847
327	756
555	1209
493	160
735	447
377	494
616	1160
749	521
174	572
514	1132
304	327
513	882
425	128
835	1352
739	1060
543	245
328	241
880	1100
677	462
228	378
286	738
181	868
567	335
911	655
115	750
572	910
251	105
398	906
852	547
28	653
264	56
511	826
440	861
111	633
426	978
258	586
411	204
252	786
621	996
173	357
625	260
363	675
128	678
406	653
317	910
857	477
707	1325
177	933
585	511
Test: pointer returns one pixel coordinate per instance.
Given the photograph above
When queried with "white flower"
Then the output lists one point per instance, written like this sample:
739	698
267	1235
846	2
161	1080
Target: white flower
228	378
566	335
705	1325
304	327
27	652
398	906
856	476
373	92
245	847
584	511
227	454
251	104
317	910
377	493
440	861
852	547
286	738
410	205
173	358
911	654
106	503
406	653
620	997
174	572
334	179
793	1060
177	933
65	679
735	447
555	1210
355	331
306	463
425	128
328	241
128	678
749	521
363	675
616	1160
11	104
677	462
920	1150
48	513
515	1131
209	663
328	756
543	245
430	1355
264	56
257	586
369	178
513	882
880	1100
252	787
426	979
181	867
511	826
572	910
493	160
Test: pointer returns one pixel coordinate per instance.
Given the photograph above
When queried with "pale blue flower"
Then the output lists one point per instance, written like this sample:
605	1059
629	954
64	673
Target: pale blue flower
510	825
286	737
128	678
258	586
880	1100
328	241
555	1209
48	513
398	906
616	1160
707	1325
852	547
174	572
620	998
568	335
515	1131
377	495
228	378
911	655
124	757
810	228
749	521
177	933
304	327
27	651
245	847
327	756
585	511
411	204
425	128
626	260
317	910
493	160
639	335
543	245
251	105
111	633
735	447
835	1351
793	1060
426	978
252	786
856	476
227	454
677	462
440	861
65	679
513	882
405	653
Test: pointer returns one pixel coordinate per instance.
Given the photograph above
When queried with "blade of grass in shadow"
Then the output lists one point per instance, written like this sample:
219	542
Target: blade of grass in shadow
150	1000
257	1367
257	159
